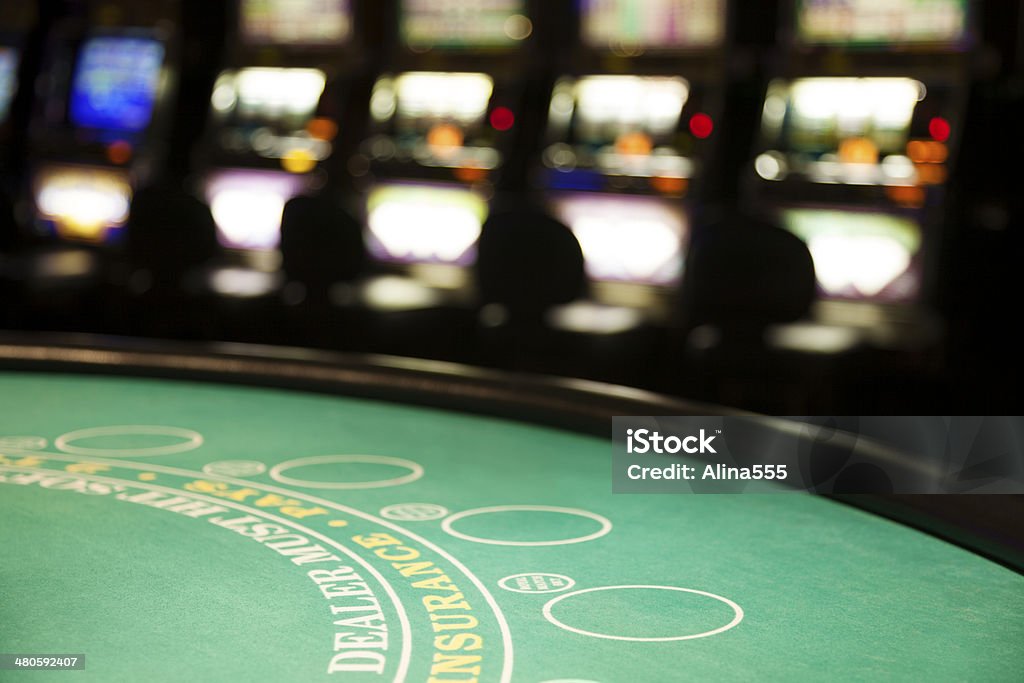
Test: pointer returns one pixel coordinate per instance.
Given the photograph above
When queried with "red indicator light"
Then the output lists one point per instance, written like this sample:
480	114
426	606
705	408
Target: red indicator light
502	118
701	125
939	129
119	152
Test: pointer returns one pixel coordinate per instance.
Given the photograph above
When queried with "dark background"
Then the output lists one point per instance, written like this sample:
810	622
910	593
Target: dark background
974	366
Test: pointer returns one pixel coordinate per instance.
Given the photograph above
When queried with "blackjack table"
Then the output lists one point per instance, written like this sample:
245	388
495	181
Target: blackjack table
172	514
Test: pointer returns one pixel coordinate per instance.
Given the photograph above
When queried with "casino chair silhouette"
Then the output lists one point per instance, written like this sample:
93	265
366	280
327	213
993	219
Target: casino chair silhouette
8	244
46	285
536	312
8	225
388	309
170	242
743	277
527	264
323	253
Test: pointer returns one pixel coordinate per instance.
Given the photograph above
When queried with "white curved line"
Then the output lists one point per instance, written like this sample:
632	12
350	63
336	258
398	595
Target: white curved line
506	634
403	618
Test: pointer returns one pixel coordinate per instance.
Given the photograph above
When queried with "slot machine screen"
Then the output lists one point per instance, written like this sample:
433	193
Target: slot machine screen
115	84
652	24
439	117
8	79
861	255
247	206
627	238
296	22
843	129
269	94
424	223
868	22
469	24
619	124
82	203
422	99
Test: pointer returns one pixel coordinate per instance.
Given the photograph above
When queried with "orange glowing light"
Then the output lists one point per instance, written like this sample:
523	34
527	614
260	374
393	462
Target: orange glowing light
927	152
917	150
119	152
298	161
322	129
858	151
937	152
444	138
468	174
634	143
931	174
908	196
675	187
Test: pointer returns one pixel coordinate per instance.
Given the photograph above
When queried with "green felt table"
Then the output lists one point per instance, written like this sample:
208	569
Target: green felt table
175	530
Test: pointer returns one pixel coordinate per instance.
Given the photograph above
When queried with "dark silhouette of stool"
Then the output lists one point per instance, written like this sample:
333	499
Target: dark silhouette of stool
743	276
322	248
171	241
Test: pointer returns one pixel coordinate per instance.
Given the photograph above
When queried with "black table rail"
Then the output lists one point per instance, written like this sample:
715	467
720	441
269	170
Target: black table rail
990	525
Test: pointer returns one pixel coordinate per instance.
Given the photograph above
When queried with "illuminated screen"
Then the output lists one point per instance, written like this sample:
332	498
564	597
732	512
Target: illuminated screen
84	203
626	238
625	125
430	96
296	22
440	117
664	24
421	223
269	94
248	205
601	109
115	83
881	21
856	119
860	255
606	106
464	24
8	79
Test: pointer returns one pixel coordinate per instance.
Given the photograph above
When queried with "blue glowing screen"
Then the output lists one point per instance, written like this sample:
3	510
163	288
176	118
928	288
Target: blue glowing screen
115	83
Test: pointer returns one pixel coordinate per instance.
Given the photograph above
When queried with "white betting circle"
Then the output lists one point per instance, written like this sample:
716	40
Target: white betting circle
508	583
737	614
414	512
191	440
415	471
606	525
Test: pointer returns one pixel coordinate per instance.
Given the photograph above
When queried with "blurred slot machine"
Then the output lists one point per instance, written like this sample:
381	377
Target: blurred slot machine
630	128
16	23
104	101
279	110
858	136
10	59
442	125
